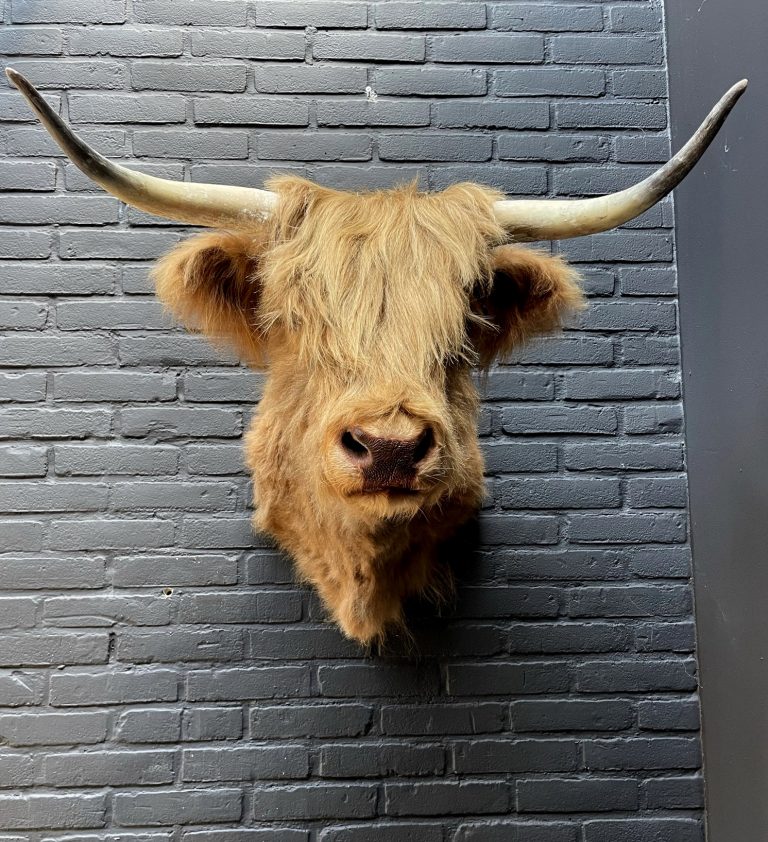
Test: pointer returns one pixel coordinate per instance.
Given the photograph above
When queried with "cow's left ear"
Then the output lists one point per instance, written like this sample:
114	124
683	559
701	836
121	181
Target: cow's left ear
530	292
211	284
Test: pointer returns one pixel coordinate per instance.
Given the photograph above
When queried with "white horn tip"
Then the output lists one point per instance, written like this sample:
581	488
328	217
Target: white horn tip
13	75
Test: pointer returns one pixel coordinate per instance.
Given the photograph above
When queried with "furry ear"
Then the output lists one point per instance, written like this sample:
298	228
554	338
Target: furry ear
210	282
530	292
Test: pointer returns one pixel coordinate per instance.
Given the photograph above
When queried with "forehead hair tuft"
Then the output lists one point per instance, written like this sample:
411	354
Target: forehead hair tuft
379	278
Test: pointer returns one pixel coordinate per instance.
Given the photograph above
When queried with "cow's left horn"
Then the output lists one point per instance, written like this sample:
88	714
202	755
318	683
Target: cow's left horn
214	205
559	219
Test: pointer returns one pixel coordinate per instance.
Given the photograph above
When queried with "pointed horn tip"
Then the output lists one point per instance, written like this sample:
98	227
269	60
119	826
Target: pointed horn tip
739	88
13	75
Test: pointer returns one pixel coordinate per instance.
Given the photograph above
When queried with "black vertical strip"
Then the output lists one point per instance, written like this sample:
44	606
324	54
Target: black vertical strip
721	241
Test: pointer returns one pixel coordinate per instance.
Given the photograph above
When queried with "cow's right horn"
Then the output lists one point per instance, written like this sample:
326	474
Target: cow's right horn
558	219
213	205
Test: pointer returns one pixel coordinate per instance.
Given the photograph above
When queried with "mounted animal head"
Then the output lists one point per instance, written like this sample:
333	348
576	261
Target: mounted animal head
368	311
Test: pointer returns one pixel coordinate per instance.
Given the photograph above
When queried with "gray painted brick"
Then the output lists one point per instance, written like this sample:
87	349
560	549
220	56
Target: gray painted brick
109	534
312	801
241	45
244	764
189	144
446	798
554	147
183	571
125	41
194	77
383	112
559	493
430	15
301	146
13	108
549	81
374	47
435	147
25	729
510	180
148	108
248	683
153	809
583	420
612	49
502	831
31	41
572	795
97	460
27	175
154	725
43	423
639	83
306	79
633	18
430	81
647	420
44	648
267	111
640	148
17	244
57	11
214	723
659	527
318	14
644	830
22	388
387	832
222	13
674	715
326	720
615	114
571	715
96	74
113	386
86	611
488	49
505	115
172	422
31	350
543	639
635	676
23	461
549	17
51	812
627	384
108	768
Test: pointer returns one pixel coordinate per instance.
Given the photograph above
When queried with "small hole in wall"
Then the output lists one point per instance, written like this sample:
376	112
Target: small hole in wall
167	591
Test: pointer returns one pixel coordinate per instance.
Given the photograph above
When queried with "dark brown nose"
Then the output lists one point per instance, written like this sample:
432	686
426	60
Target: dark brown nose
387	463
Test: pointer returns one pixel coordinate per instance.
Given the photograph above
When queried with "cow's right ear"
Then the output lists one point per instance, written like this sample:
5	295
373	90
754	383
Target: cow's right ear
531	292
211	283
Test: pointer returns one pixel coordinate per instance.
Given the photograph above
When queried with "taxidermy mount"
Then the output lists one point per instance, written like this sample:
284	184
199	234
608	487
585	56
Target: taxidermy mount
368	311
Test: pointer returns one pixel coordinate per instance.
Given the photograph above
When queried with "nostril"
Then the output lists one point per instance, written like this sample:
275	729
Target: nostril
353	447
424	446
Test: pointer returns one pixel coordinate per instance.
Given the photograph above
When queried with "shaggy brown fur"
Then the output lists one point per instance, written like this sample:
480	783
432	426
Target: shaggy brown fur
368	311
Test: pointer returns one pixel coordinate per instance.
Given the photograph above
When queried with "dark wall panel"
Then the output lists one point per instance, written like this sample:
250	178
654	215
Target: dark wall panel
721	218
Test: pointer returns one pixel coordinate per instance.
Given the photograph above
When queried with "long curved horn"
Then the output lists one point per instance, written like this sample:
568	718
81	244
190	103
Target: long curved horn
214	205
559	219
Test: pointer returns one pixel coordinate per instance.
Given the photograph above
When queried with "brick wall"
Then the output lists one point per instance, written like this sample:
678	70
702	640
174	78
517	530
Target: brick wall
160	677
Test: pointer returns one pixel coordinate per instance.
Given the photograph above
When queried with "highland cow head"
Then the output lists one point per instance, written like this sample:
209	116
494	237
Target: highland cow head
368	312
